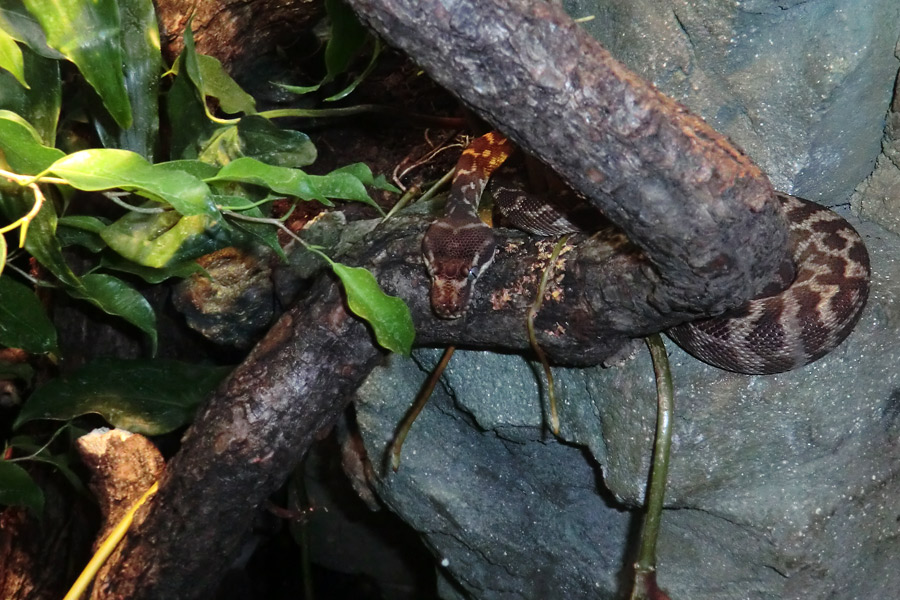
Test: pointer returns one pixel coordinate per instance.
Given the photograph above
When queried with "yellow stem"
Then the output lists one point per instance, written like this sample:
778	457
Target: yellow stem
107	547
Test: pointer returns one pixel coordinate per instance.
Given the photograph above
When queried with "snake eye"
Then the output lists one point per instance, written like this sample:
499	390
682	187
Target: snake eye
473	273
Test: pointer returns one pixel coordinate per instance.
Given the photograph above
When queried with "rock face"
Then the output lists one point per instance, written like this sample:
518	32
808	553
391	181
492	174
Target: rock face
877	198
802	86
781	487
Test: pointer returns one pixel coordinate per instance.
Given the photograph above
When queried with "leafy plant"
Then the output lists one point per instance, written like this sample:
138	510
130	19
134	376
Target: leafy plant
226	163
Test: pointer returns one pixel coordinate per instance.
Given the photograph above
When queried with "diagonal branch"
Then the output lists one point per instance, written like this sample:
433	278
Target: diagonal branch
705	215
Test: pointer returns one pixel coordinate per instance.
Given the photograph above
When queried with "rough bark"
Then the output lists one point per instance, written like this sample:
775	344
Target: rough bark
703	216
234	31
242	447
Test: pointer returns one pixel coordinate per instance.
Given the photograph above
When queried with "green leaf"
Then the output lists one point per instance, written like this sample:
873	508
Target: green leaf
188	123
267	143
298	89
157	240
40	104
11	58
104	169
197	168
21	145
83	222
265	233
89	35
256	137
181	270
81	230
283	180
23	322
210	79
140	45
23	27
362	172
388	315
347	37
294	182
17	488
359	78
222	146
218	84
115	297
151	397
41	242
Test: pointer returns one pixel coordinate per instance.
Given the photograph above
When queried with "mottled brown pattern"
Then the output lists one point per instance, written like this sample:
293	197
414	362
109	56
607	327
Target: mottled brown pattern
779	332
809	318
458	247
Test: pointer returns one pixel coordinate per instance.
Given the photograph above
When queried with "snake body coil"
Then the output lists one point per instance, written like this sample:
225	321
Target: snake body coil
767	335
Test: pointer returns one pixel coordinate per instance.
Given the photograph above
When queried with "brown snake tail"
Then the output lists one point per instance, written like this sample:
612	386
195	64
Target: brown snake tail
785	331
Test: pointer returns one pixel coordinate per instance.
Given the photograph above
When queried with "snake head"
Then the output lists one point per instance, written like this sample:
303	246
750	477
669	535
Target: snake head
456	253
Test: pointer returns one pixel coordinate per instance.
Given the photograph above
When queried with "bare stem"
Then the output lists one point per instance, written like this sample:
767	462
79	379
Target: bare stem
645	587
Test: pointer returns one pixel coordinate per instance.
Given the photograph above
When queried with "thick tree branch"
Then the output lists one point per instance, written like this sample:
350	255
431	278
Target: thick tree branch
705	215
242	447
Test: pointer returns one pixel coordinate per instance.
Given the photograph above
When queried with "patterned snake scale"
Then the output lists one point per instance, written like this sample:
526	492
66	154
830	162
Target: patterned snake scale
767	335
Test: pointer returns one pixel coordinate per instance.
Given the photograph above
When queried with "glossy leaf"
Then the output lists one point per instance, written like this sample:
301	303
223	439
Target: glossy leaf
89	35
187	119
81	230
211	80
362	172
260	139
156	240
21	145
104	169
197	168
256	137
294	182
40	104
140	46
23	322
180	270
18	23
151	397
264	233
41	242
223	146
389	316
11	58
115	297
84	222
347	37
218	84
17	488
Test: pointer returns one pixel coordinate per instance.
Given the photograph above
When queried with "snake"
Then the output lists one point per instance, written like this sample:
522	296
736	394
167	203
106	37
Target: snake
771	334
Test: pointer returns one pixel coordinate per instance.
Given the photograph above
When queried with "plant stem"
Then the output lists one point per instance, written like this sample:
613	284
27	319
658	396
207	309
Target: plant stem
645	587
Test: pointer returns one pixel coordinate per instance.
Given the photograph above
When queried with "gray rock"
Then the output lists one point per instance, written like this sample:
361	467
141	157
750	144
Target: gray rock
781	487
878	197
802	86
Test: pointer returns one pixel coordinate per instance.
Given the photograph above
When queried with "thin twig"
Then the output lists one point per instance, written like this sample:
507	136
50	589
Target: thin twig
417	406
532	338
116	198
